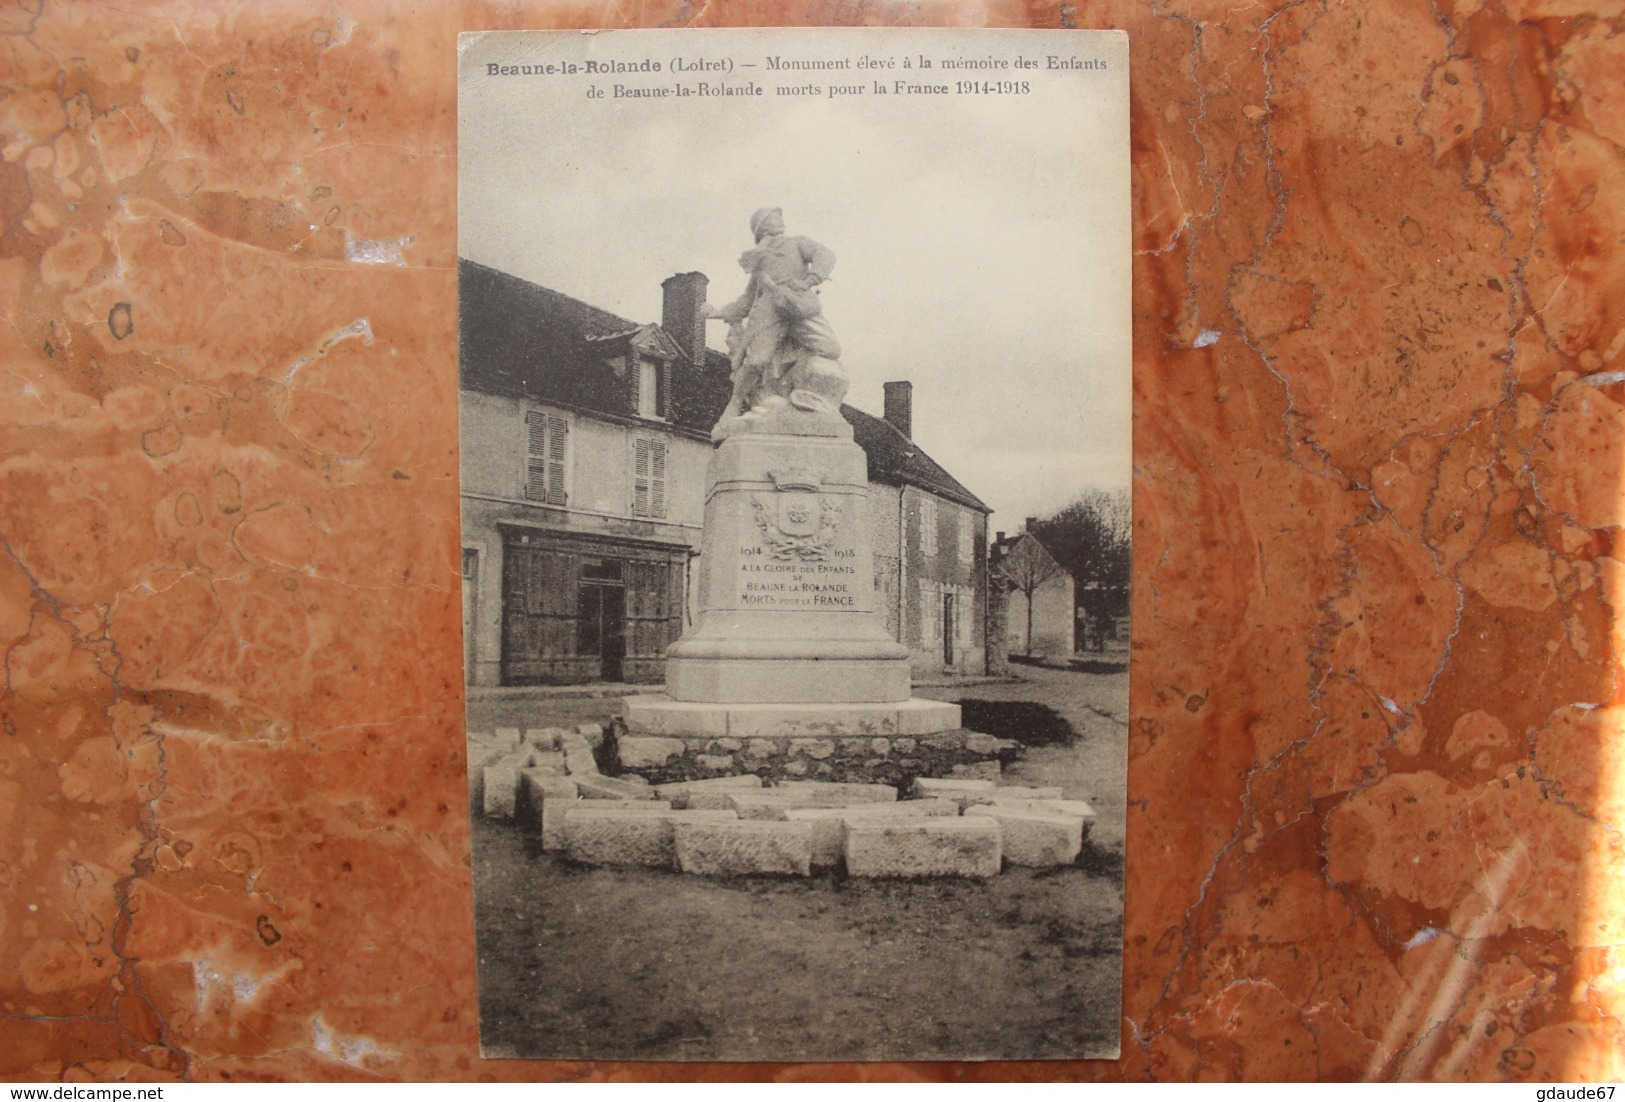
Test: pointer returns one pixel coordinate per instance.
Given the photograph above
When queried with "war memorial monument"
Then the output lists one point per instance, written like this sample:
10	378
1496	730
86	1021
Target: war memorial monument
788	729
788	667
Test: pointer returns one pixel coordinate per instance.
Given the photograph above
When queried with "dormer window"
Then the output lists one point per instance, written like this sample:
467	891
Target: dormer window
647	389
636	370
641	360
648	382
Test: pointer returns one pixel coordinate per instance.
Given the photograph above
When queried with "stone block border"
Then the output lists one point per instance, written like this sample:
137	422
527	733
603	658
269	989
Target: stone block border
735	825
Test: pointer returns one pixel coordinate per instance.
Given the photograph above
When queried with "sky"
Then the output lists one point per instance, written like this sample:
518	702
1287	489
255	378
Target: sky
981	241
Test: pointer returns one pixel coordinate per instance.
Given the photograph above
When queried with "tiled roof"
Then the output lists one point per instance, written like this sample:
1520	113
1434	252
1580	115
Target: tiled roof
895	458
520	340
1001	549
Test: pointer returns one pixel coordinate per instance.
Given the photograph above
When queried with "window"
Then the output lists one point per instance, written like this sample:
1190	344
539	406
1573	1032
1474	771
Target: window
649	476
647	384
930	606
967	537
547	441
648	389
600	570
928	526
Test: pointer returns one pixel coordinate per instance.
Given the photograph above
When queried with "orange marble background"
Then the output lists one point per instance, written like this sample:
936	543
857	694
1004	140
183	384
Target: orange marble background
1377	805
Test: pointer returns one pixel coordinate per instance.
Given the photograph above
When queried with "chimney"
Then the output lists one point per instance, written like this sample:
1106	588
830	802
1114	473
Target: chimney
900	407
682	313
1032	522
999	538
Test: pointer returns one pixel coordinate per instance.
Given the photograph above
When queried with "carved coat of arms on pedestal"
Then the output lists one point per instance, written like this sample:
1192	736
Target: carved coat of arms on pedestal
798	524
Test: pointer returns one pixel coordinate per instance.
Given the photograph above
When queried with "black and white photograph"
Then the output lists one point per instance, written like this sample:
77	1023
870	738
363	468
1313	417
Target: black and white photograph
794	395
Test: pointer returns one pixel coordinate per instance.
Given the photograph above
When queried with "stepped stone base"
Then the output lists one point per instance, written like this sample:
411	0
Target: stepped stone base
718	789
1080	808
1032	837
875	759
822	679
924	847
770	802
829	823
744	848
669	741
658	715
736	826
627	834
540	801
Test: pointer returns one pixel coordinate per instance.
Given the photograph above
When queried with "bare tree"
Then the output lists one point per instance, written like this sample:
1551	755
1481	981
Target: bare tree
1028	567
1092	539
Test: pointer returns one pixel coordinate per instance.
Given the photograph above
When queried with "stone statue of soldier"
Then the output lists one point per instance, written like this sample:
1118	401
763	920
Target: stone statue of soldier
782	348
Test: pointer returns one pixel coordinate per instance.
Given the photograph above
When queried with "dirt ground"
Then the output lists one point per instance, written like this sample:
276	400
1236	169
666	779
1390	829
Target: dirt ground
581	962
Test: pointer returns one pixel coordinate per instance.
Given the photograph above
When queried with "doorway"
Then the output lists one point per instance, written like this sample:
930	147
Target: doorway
947	629
577	610
601	617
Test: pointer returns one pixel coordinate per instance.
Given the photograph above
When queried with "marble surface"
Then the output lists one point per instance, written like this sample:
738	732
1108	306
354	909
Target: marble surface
1377	781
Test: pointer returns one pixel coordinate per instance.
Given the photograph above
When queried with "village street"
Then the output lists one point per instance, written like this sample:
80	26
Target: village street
579	962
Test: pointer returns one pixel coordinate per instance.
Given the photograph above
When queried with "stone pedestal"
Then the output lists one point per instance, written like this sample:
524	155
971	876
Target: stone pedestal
789	663
787	581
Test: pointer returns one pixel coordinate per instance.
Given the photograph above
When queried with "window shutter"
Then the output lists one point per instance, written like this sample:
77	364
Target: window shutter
634	376
657	478
546	446
640	477
536	456
663	391
557	432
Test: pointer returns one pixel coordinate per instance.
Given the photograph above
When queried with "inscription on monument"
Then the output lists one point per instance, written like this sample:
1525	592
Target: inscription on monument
765	582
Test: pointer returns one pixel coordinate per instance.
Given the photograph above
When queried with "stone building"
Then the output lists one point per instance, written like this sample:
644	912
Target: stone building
585	440
930	543
1038	596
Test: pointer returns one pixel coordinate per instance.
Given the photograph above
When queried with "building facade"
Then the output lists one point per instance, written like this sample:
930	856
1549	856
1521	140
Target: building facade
1038	599
930	544
585	442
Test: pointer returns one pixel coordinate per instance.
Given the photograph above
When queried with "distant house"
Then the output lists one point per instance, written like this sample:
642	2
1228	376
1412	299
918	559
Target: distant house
585	441
1038	596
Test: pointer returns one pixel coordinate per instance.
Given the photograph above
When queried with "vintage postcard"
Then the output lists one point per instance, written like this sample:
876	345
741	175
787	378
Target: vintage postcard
795	402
